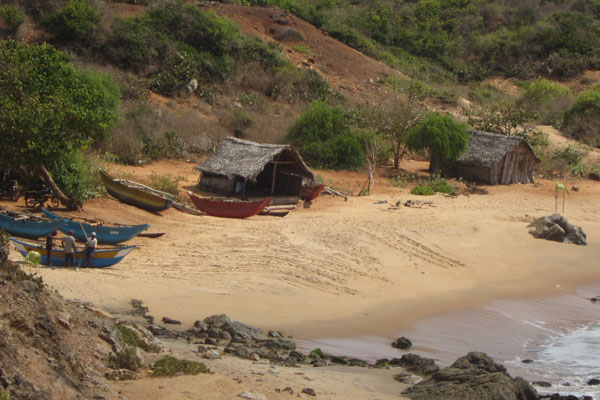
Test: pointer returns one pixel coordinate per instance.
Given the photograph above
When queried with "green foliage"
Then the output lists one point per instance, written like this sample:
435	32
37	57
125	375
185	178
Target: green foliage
130	338
572	154
444	138
290	35
433	186
76	24
75	175
166	183
12	17
170	366
547	99
4	395
132	44
582	121
48	108
325	139
317	353
125	359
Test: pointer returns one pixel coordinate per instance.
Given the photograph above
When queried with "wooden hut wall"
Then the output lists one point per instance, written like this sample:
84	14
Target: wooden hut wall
517	166
217	183
469	172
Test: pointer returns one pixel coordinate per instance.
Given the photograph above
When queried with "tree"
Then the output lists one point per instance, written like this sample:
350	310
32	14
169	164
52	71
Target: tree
49	109
393	121
444	138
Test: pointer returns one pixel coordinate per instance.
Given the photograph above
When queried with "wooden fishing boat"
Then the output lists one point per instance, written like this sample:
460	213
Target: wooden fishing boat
135	194
102	258
27	225
311	192
229	208
105	234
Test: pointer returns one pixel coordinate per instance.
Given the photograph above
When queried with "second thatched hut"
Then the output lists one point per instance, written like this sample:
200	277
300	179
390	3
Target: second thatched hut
242	168
497	159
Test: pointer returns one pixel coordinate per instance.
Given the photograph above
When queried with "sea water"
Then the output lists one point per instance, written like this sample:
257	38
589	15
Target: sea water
560	334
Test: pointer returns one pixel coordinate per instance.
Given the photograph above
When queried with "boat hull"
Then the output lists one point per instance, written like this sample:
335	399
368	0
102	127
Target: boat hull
134	196
102	258
28	229
309	193
229	208
105	234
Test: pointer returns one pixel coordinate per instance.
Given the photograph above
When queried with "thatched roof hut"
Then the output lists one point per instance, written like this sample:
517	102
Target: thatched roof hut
245	168
497	159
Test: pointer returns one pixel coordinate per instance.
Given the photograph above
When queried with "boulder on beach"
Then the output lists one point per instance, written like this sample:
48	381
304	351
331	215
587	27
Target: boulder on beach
472	377
556	228
416	364
402	343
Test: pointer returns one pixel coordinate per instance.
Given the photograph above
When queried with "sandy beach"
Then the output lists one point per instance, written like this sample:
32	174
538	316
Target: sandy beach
340	268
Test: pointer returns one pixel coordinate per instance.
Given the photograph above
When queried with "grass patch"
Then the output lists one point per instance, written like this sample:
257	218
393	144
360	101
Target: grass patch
301	48
168	183
432	187
170	366
130	338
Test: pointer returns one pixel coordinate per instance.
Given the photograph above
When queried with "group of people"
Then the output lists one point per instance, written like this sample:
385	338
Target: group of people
69	247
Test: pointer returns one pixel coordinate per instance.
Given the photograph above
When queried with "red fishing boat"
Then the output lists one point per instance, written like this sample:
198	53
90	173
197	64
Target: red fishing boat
227	208
311	192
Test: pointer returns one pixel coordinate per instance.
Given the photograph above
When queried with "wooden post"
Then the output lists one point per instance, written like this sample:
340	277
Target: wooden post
274	176
244	190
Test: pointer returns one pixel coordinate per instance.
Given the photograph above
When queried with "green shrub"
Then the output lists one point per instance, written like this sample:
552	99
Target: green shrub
166	183
130	338
170	366
435	185
290	35
4	395
12	17
132	44
547	99
125	359
422	190
75	175
582	121
325	139
76	24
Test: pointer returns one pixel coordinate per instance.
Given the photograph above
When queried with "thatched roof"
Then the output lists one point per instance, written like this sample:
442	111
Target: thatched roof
487	149
245	159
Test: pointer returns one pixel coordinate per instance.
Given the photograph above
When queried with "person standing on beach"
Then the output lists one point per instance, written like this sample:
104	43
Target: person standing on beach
90	248
68	243
49	247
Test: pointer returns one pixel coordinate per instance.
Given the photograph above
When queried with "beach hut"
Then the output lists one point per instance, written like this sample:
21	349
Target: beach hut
242	168
497	159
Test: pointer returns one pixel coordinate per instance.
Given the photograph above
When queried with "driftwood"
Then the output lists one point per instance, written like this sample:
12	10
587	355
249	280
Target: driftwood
183	208
330	191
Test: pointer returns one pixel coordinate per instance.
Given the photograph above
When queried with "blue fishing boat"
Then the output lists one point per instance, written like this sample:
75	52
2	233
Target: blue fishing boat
106	234
102	258
27	225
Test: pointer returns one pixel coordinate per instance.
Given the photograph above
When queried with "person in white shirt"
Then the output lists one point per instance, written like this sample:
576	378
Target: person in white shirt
68	243
90	248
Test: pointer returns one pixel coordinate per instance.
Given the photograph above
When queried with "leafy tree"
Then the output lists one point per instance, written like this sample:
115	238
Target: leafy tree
325	139
77	23
445	139
12	17
393	121
49	110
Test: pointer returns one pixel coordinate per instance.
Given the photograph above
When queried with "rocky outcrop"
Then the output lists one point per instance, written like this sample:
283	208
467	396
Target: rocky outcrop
556	228
472	377
416	364
402	343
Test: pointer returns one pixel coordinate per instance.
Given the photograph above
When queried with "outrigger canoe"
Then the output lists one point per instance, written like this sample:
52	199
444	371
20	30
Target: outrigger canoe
102	258
26	225
229	208
105	234
135	194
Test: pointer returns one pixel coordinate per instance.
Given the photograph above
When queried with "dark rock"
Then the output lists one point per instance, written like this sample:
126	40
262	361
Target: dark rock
299	357
556	227
238	331
404	377
274	334
527	361
238	350
149	319
542	384
557	396
201	326
224	335
211	341
339	360
593	382
167	320
213	333
138	307
575	188
595	299
594	176
163	332
309	391
402	343
357	362
416	364
288	389
472	377
277	344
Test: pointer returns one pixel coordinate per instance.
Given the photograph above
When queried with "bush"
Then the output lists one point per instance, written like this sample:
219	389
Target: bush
12	17
547	99
125	359
166	183
76	24
582	121
170	366
75	175
436	185
290	35
325	139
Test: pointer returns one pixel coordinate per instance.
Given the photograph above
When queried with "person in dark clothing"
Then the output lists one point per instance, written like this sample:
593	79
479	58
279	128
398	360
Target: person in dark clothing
49	247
